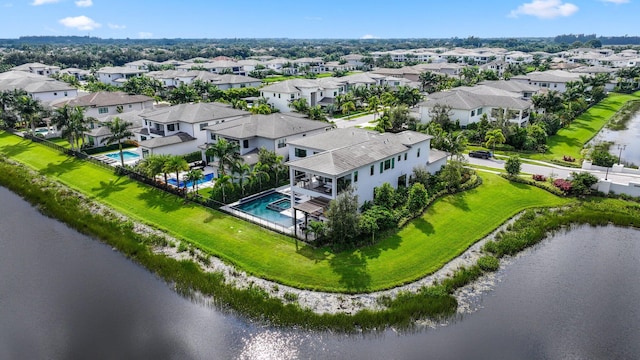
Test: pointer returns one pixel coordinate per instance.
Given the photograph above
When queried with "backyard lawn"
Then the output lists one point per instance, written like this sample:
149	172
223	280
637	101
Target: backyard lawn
450	226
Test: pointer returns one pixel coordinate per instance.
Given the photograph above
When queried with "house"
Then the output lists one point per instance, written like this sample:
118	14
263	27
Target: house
79	74
279	95
407	72
117	75
551	79
140	64
354	60
322	166
179	129
469	104
271	132
526	91
94	137
37	68
105	103
39	87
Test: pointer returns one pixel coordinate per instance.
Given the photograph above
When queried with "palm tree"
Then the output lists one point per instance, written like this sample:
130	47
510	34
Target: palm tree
177	163
62	120
258	173
243	171
183	94
226	152
154	165
300	105
494	137
455	144
28	109
194	175
348	107
78	126
372	105
223	182
119	130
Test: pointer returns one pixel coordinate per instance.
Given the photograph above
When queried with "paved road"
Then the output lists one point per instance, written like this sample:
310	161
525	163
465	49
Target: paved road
362	121
554	170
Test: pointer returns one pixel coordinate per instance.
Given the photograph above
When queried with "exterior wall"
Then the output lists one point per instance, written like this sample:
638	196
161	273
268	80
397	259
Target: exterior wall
176	149
280	101
55	95
111	110
109	78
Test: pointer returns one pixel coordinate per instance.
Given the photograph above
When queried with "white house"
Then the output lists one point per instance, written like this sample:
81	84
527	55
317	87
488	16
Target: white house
104	103
94	137
39	87
179	129
321	166
117	75
280	95
271	132
37	68
551	79
469	104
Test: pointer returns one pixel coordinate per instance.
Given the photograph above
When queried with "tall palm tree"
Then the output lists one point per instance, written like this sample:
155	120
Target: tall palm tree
494	137
223	182
177	163
62	120
194	175
259	172
119	131
155	164
226	152
242	171
29	109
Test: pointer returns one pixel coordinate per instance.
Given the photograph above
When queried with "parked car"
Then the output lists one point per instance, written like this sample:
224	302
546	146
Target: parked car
483	154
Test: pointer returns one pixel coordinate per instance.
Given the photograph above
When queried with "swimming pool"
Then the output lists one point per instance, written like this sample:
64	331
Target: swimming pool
127	155
259	207
174	182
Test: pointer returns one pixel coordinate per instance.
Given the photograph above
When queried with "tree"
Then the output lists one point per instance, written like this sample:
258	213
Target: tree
259	172
177	163
226	152
601	157
243	172
119	131
300	105
455	144
194	176
183	94
372	105
62	120
222	183
451	175
343	217
512	165
142	85
316	113
428	81
582	182
368	225
154	164
494	137
348	107
384	195
417	200
29	109
441	114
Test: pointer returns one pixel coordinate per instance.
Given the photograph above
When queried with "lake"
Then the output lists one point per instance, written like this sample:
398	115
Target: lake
64	295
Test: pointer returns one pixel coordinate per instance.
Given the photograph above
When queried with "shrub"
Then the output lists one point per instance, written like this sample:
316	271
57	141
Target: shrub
538	177
568	158
488	263
291	297
562	184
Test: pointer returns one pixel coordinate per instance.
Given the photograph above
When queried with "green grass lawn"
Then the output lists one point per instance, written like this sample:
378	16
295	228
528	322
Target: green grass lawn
450	226
570	141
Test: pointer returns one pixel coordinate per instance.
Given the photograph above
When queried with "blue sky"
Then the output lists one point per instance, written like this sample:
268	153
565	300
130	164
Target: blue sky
317	19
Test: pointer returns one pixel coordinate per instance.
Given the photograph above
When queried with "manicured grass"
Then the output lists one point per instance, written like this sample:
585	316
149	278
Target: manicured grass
569	141
450	226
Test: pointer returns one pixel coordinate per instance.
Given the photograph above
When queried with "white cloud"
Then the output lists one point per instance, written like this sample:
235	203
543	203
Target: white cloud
42	2
80	22
616	1
145	35
545	9
368	36
116	26
84	3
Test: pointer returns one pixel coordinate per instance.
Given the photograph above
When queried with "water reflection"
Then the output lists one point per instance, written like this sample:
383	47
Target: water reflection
628	138
63	296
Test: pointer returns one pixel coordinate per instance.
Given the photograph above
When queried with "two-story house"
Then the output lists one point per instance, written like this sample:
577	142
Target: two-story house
39	87
117	75
179	129
322	166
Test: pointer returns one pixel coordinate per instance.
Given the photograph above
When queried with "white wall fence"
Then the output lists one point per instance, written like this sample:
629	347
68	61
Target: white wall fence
607	186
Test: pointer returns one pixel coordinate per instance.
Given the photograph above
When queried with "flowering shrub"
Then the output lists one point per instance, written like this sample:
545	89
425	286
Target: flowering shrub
568	158
538	177
562	184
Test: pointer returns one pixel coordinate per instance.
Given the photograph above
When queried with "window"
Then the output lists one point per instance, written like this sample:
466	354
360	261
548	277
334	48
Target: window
65	93
381	167
301	153
282	143
213	136
202	126
130	106
418	152
371	173
335	93
145	153
479	112
143	138
103	110
405	156
398	157
473	113
278	96
245	144
387	164
355	176
171	127
293	96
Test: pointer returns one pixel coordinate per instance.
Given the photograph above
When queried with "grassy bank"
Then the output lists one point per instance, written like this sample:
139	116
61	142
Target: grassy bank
449	227
570	140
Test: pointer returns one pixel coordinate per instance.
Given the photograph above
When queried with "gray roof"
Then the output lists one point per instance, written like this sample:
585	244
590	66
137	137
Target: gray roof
132	117
120	70
271	126
335	138
194	113
31	83
513	86
31	66
157	142
469	98
236	79
106	98
349	158
558	76
290	86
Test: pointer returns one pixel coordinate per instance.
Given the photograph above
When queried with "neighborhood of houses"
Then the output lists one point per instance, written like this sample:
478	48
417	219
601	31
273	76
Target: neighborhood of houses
322	159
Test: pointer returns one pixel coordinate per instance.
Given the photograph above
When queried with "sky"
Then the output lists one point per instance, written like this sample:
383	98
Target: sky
344	19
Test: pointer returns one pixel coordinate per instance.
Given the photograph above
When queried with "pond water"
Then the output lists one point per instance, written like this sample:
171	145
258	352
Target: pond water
66	296
628	138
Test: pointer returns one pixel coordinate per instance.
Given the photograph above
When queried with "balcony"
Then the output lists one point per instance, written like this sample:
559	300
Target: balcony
157	132
316	185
